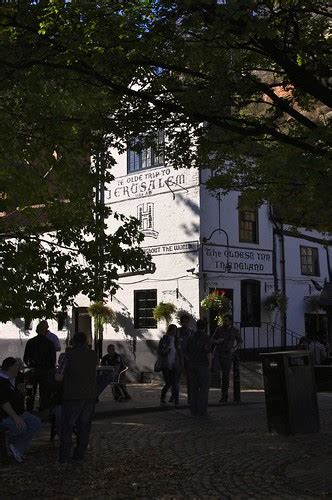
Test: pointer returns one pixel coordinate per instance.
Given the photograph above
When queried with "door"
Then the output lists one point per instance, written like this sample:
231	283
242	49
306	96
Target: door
82	322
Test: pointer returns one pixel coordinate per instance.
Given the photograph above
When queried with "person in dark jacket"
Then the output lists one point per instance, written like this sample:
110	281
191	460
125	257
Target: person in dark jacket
172	364
184	333
40	357
198	354
227	340
21	425
78	373
112	358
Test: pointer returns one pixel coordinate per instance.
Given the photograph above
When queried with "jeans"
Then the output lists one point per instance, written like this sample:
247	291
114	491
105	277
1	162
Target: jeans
171	378
200	382
75	412
225	364
21	438
186	369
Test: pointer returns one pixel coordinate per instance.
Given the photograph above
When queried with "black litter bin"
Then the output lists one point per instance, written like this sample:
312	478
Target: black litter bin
290	392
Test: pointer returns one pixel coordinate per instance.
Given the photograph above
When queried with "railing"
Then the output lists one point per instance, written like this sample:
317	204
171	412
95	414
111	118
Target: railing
268	336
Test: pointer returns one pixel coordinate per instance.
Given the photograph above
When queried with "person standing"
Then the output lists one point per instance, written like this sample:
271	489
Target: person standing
52	337
227	340
169	350
40	357
198	354
184	333
22	426
78	374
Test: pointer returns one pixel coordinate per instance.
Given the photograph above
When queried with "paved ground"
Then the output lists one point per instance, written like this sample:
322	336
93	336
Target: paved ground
169	455
147	396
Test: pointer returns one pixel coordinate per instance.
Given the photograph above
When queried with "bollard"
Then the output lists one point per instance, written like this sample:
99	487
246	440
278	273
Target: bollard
236	379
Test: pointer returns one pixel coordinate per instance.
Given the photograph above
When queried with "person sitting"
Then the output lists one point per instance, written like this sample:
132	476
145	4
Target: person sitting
303	344
317	349
114	360
22	426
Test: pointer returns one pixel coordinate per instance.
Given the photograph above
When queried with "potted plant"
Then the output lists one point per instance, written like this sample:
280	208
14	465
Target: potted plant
102	314
313	303
217	301
164	311
276	301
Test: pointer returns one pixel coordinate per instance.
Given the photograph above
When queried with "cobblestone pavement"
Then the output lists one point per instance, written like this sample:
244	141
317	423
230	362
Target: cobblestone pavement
145	396
169	455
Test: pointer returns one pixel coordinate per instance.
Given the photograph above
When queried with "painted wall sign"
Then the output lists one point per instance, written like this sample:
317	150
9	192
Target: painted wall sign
188	246
150	182
145	214
240	260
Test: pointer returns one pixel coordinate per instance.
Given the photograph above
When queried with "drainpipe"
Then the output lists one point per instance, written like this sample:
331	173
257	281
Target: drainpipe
283	282
274	262
329	272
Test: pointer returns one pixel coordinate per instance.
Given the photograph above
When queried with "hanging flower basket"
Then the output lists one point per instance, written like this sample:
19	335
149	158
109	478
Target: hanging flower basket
276	301
217	301
103	314
164	311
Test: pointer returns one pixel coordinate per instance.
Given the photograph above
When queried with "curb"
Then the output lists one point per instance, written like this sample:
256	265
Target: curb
121	412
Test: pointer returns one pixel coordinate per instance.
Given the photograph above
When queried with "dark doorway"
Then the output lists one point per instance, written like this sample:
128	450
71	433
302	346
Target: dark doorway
82	322
228	292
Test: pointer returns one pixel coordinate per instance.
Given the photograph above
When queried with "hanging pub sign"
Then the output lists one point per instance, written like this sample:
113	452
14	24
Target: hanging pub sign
236	260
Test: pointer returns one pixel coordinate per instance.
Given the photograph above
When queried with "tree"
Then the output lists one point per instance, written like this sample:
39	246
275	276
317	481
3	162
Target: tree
50	253
242	88
256	73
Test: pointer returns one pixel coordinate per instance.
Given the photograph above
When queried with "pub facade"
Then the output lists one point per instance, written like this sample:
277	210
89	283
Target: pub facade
201	241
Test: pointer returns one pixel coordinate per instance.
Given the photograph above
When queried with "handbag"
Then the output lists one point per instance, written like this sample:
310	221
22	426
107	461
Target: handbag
158	366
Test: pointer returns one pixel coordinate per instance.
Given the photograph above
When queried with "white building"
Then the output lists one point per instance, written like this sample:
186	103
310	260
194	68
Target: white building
200	241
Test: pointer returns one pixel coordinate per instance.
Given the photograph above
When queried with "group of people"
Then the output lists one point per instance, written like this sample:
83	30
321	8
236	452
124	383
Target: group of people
196	353
70	389
317	345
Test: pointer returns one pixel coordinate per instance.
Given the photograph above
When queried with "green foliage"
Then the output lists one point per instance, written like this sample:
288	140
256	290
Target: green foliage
313	303
103	314
79	80
256	73
164	311
276	301
217	301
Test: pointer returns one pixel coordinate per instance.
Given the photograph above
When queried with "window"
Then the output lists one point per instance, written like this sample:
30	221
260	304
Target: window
250	303
248	224
143	158
309	261
144	303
